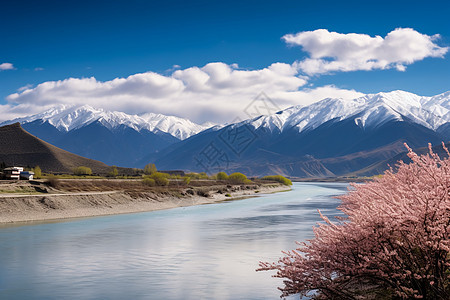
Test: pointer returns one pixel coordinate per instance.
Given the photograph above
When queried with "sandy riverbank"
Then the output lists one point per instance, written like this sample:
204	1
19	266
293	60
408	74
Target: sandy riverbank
52	206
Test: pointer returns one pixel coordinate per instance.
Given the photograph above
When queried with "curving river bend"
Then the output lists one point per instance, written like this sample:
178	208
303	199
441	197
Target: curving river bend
197	252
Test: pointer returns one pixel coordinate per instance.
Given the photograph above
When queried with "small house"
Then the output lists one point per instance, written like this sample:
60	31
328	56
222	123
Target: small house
12	173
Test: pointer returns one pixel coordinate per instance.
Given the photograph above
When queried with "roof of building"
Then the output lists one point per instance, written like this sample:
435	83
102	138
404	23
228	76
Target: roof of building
13	168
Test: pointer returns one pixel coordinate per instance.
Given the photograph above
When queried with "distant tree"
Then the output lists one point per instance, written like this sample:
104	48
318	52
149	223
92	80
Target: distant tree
37	172
393	244
149	181
238	178
186	180
150	169
161	179
278	178
79	171
113	172
222	176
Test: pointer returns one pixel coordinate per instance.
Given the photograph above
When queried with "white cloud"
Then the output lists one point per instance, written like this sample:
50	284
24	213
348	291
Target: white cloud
216	92
332	51
219	92
39	69
6	66
25	87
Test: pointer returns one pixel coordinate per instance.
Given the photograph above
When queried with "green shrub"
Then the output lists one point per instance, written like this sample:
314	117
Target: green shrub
113	172
161	179
187	180
159	174
37	172
238	178
227	195
201	175
222	176
79	171
149	169
149	181
278	178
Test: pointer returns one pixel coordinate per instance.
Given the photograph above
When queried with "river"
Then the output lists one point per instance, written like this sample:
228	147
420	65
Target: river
198	252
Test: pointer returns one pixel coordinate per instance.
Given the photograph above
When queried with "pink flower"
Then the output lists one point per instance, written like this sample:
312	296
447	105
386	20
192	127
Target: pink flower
395	238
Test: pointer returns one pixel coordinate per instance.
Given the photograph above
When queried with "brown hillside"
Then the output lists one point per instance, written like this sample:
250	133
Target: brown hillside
18	147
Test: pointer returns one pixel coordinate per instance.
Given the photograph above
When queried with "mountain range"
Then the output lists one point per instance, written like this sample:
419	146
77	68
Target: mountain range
114	138
332	137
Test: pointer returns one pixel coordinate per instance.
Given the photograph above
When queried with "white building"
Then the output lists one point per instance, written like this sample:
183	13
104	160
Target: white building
12	172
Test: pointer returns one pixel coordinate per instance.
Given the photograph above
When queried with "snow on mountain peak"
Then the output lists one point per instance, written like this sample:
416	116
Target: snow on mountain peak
368	111
178	127
67	118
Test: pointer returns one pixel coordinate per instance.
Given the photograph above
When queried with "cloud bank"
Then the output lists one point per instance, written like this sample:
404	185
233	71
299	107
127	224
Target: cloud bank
219	92
332	51
216	92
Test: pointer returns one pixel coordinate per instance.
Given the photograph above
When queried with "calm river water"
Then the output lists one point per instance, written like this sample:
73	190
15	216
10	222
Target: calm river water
198	252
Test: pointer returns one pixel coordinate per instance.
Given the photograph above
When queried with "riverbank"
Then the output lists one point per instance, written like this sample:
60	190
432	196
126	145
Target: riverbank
39	202
334	179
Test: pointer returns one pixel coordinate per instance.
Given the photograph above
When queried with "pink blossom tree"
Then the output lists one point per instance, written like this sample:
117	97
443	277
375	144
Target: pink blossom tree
393	243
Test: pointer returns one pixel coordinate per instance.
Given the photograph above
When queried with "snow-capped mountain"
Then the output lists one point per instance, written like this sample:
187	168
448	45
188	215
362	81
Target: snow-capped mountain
67	118
330	137
367	112
115	138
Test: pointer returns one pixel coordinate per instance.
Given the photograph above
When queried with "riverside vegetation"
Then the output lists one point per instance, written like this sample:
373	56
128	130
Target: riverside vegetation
393	244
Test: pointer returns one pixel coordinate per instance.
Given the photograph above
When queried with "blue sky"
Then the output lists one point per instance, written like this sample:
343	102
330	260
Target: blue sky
47	41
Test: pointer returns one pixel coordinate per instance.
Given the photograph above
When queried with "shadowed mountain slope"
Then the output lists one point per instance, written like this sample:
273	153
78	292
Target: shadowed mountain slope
18	147
381	166
335	148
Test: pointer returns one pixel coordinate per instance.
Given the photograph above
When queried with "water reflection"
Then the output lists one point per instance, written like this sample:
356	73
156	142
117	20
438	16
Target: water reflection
202	252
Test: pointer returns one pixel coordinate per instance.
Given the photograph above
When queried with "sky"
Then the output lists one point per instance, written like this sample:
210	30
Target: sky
208	60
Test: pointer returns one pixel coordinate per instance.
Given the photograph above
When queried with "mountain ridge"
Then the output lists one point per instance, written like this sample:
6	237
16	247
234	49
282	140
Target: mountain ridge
360	129
67	118
431	112
299	140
